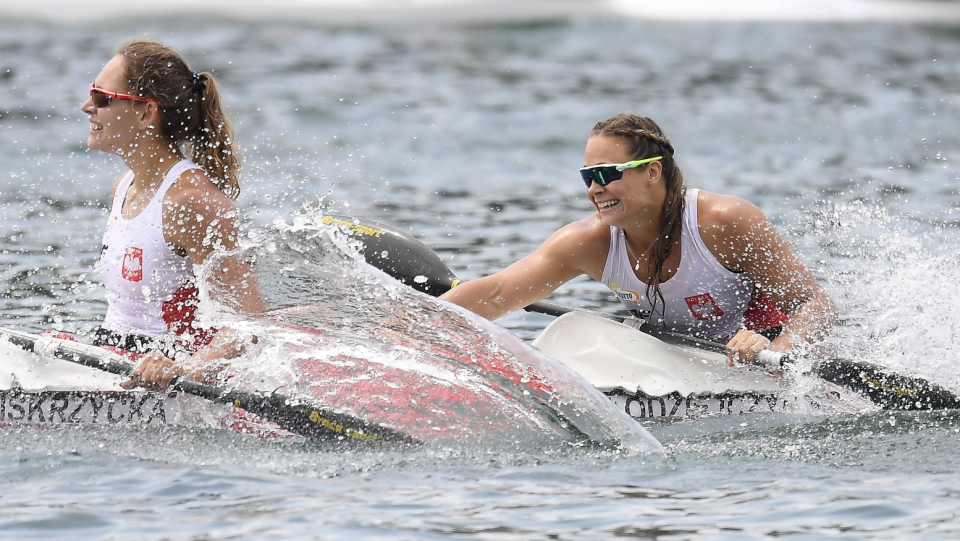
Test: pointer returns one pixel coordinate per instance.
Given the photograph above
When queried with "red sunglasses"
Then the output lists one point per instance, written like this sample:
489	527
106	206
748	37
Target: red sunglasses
101	98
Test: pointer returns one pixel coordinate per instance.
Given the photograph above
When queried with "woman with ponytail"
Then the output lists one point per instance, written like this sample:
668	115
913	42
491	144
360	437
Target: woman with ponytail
684	259
170	212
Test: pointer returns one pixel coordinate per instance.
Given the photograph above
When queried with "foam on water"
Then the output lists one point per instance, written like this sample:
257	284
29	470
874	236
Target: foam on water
901	308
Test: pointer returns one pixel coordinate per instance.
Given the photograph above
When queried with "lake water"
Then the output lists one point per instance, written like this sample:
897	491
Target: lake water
469	138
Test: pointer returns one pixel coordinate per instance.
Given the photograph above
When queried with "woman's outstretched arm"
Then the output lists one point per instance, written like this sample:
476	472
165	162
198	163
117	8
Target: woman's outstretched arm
573	250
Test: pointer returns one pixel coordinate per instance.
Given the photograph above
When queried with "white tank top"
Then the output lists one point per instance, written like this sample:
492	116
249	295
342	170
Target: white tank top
147	284
702	298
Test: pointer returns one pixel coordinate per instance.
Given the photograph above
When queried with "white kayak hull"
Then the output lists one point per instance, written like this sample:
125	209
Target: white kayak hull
650	379
616	357
38	390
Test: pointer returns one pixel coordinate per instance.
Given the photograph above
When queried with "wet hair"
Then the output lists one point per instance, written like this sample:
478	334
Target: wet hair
190	110
645	139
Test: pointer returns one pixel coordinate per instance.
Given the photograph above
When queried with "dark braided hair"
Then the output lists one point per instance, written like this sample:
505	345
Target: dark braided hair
190	110
645	140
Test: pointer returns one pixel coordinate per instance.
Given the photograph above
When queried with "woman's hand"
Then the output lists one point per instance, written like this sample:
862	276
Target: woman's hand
154	372
744	346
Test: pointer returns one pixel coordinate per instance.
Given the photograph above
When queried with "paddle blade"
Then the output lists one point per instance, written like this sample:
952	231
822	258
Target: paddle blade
887	390
399	255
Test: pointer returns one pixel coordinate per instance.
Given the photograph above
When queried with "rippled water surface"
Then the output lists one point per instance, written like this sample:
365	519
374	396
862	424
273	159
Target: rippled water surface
469	138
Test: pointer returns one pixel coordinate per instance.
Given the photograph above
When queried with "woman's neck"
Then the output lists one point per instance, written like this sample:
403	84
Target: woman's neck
150	162
645	226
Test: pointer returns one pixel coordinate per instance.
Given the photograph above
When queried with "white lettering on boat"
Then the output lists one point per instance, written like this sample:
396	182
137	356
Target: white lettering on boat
642	406
51	407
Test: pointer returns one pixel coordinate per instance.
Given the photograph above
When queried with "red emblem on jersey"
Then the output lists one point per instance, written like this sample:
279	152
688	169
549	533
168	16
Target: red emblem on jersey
133	264
703	307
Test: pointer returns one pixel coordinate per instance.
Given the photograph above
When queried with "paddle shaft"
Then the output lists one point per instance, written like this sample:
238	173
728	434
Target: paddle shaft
413	263
305	420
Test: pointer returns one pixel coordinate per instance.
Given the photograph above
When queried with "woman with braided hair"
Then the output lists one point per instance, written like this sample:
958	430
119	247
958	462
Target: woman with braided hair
685	259
171	211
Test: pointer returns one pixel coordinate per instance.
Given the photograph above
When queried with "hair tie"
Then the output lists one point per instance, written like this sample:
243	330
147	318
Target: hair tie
198	86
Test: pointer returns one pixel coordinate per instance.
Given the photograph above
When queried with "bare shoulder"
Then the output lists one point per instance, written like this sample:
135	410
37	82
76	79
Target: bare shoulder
588	229
198	217
195	193
736	231
581	245
583	235
726	215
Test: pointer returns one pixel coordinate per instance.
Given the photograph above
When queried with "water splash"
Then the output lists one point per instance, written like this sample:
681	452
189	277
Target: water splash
893	276
343	334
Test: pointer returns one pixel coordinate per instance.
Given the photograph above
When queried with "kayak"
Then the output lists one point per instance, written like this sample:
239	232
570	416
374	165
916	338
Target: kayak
648	378
404	381
644	377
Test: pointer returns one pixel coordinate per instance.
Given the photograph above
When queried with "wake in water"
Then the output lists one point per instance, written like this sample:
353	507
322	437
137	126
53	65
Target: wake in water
895	276
342	334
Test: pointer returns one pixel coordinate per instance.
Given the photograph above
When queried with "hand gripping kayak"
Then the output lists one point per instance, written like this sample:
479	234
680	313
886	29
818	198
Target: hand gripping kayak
306	420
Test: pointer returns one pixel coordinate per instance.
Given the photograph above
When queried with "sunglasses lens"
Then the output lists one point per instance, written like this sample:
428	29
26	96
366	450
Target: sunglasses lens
587	176
99	98
600	175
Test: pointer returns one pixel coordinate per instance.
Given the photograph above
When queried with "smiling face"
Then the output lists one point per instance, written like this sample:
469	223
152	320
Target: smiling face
637	197
116	127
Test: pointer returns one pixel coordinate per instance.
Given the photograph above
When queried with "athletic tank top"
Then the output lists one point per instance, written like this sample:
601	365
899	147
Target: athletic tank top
150	289
703	297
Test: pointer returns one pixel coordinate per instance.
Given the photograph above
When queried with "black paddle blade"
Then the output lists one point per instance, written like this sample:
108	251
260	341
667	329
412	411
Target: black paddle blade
887	390
399	255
